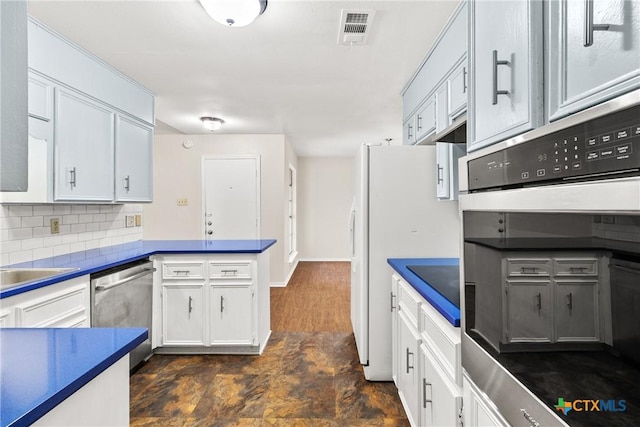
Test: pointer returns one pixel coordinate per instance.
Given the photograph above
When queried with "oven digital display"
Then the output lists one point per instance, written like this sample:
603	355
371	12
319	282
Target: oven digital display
605	147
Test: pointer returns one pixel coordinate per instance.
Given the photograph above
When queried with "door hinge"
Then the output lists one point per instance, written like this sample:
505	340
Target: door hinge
461	415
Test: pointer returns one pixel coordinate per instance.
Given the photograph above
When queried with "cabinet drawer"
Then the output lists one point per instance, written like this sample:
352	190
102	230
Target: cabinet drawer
183	270
409	303
64	309
575	266
230	270
443	339
528	267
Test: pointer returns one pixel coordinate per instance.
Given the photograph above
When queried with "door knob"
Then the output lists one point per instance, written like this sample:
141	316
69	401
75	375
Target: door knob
209	223
210	232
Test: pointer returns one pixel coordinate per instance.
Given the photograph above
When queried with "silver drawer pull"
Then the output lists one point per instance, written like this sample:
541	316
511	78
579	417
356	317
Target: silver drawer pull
181	272
496	91
424	393
530	270
578	269
229	272
409	354
589	26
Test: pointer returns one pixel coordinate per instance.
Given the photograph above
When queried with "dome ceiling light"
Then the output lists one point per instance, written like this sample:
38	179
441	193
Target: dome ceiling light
234	13
211	123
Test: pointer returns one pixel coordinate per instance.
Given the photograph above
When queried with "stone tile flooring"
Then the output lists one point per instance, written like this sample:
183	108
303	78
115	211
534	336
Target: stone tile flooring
302	379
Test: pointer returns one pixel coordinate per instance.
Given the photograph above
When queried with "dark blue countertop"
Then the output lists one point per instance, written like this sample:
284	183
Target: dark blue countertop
41	367
448	310
94	260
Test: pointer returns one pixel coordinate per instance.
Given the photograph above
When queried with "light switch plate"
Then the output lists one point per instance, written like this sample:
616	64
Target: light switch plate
129	220
138	220
183	202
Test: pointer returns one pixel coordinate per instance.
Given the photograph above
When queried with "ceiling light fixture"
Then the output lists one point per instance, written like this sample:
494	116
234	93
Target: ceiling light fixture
234	13
211	123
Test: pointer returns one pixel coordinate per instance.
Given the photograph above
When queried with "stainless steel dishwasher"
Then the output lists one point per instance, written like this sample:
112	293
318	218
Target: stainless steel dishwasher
121	298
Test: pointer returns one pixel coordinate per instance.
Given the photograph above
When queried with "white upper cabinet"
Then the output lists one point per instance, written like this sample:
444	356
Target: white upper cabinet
90	127
435	96
505	48
84	137
134	175
593	53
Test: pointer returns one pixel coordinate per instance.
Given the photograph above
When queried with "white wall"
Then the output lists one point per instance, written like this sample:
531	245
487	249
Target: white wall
178	175
324	202
25	233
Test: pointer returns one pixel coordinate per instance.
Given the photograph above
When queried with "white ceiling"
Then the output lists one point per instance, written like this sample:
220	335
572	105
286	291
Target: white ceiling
283	74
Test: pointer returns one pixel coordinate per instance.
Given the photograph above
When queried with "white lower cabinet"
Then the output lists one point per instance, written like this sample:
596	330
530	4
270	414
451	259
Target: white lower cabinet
441	403
479	410
426	359
65	305
408	371
213	304
183	313
231	321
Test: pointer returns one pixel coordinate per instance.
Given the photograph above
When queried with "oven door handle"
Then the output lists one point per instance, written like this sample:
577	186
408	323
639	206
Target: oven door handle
125	280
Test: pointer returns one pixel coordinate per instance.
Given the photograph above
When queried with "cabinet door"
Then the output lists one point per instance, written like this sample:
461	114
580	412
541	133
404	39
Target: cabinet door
408	370
587	67
442	107
426	119
134	161
506	70
394	328
231	311
409	131
40	100
457	86
183	312
577	311
84	135
528	311
6	318
441	399
478	410
443	159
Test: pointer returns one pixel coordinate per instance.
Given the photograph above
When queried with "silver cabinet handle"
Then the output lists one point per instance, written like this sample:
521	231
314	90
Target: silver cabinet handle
72	177
409	354
221	303
410	132
393	307
440	177
464	79
419	123
229	272
125	280
181	272
570	300
190	306
539	299
589	26
127	183
424	393
497	92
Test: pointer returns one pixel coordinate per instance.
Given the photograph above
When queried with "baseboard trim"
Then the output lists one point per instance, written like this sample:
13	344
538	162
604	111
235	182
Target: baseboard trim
286	281
325	259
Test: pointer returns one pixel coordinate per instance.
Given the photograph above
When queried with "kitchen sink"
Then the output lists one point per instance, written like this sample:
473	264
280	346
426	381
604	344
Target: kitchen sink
10	277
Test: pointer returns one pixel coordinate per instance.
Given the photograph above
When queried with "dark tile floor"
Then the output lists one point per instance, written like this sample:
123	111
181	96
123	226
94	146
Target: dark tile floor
302	379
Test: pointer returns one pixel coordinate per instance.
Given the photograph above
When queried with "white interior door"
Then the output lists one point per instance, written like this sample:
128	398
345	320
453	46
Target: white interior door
231	197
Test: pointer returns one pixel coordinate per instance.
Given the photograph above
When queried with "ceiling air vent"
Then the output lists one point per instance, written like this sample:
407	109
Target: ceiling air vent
355	26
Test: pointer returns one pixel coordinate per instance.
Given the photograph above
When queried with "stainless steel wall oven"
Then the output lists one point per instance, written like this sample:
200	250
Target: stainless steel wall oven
551	268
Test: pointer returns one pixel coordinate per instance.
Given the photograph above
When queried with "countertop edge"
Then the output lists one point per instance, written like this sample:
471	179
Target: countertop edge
59	396
144	253
447	309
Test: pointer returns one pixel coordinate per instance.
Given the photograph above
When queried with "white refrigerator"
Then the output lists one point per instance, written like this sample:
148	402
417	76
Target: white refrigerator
395	214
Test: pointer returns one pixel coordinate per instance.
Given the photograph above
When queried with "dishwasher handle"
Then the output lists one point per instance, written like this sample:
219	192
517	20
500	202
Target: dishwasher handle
125	280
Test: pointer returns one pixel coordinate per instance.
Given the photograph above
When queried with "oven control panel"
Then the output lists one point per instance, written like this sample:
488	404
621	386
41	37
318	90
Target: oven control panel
606	147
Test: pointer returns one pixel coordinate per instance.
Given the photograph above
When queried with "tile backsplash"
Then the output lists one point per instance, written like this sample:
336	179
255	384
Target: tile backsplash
25	232
617	227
